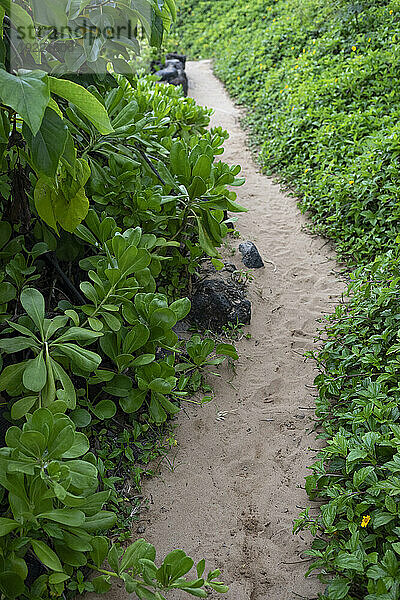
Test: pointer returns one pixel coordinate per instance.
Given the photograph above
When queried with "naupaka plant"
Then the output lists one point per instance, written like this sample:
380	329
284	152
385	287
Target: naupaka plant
50	481
43	378
49	53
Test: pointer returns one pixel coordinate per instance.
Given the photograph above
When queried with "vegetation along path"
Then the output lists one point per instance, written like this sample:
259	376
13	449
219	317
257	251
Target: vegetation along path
238	477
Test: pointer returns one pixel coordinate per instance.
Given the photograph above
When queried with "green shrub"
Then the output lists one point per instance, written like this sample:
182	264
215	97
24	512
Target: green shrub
320	79
356	474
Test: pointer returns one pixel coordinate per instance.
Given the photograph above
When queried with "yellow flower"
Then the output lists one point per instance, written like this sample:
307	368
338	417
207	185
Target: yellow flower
365	520
354	48
306	170
296	66
292	47
390	12
238	78
286	86
313	41
369	39
351	181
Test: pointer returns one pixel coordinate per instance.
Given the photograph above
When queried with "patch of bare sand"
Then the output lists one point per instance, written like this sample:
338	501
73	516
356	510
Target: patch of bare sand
237	484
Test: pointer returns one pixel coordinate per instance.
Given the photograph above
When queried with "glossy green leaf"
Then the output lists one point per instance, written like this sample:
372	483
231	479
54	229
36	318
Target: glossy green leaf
46	555
7	525
47	146
28	93
86	102
35	373
33	302
105	409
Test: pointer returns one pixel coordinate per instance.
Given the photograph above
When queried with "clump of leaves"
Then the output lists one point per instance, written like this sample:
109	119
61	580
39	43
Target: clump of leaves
356	474
199	354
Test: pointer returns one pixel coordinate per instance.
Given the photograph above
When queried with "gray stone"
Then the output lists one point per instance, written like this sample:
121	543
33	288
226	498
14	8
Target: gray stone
250	255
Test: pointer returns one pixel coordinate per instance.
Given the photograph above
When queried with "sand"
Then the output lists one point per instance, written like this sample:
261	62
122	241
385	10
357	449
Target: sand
234	486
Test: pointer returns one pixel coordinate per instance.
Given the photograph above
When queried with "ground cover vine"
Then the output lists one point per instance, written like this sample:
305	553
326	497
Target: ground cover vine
319	80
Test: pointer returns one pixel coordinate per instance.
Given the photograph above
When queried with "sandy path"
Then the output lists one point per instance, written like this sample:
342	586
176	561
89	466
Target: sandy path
235	487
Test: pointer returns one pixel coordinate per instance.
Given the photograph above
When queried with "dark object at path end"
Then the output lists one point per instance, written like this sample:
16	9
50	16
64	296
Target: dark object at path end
250	255
176	56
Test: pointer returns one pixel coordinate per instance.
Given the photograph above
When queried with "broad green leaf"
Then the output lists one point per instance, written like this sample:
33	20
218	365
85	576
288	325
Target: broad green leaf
105	409
349	561
79	447
179	564
28	93
84	101
63	441
143	359
99	550
102	521
135	552
164	318
11	585
65	516
135	338
7	292
67	395
81	417
202	167
55	578
113	559
119	386
81	357
181	308
47	146
35	374
46	555
382	518
162	386
197	188
338	589
227	350
33	302
22	407
44	195
7	525
72	212
16	344
201	565
33	443
78	334
156	411
133	401
11	378
83	475
101	584
205	240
